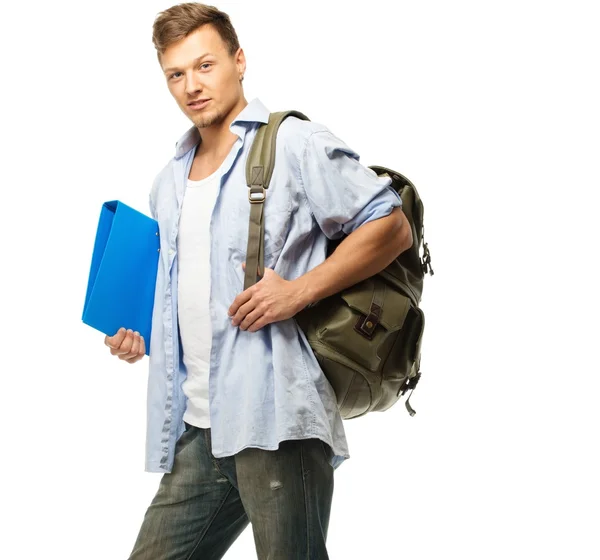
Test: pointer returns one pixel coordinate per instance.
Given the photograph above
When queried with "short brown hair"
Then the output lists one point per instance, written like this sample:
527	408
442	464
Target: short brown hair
178	21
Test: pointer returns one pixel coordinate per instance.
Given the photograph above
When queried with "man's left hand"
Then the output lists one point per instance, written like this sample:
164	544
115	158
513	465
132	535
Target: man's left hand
271	299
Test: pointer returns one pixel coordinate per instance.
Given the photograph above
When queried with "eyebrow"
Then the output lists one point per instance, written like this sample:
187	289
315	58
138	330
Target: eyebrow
196	60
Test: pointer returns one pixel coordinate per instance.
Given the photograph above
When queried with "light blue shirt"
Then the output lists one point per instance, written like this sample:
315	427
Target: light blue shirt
265	386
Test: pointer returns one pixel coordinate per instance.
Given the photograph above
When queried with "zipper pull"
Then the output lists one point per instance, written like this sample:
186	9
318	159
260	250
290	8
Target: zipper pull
426	261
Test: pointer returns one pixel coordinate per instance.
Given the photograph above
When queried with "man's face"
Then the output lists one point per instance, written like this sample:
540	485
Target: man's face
200	67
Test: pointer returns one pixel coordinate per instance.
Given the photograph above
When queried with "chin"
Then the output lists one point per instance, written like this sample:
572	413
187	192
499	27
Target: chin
208	119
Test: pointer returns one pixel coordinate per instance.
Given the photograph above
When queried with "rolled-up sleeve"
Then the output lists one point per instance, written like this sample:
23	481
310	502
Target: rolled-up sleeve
342	193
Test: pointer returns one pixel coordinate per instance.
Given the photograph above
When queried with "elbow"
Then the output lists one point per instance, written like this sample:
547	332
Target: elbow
406	239
405	236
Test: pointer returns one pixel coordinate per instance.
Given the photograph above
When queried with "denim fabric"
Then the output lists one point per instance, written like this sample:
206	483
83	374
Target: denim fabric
204	504
265	386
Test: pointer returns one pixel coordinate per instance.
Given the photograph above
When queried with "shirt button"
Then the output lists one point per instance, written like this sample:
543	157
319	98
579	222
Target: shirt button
171	251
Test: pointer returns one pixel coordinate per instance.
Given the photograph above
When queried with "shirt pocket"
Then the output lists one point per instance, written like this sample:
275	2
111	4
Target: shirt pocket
277	224
276	219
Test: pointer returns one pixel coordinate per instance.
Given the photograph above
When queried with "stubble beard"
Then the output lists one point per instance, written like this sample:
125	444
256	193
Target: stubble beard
203	121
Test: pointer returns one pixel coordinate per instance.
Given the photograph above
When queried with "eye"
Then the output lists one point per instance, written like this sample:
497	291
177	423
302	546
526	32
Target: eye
203	66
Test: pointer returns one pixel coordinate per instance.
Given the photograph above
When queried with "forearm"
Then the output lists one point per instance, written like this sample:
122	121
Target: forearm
365	252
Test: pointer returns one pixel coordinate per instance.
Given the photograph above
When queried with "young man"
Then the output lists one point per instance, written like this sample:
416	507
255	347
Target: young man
258	439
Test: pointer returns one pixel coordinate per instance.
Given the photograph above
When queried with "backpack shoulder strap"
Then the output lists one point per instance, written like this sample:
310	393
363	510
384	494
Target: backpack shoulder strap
261	158
259	169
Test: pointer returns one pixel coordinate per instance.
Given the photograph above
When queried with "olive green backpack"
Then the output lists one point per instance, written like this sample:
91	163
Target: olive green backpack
367	337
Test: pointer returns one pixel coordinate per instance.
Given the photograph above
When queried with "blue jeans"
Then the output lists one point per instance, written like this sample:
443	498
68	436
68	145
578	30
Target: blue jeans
204	503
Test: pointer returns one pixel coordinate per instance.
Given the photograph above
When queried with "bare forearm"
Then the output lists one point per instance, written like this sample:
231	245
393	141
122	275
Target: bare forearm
365	252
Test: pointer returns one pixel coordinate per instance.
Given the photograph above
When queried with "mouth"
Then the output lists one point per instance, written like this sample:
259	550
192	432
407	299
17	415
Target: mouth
199	104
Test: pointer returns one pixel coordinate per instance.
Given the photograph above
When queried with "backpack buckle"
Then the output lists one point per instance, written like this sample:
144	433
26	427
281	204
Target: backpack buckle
410	383
256	194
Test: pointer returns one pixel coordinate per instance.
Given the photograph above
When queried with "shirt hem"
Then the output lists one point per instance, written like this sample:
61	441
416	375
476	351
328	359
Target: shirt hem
335	462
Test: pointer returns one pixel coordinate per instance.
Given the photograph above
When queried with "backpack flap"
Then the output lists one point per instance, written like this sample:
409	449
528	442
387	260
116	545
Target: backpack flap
378	305
365	328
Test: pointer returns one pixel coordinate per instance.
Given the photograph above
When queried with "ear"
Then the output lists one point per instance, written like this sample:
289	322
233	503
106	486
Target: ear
240	61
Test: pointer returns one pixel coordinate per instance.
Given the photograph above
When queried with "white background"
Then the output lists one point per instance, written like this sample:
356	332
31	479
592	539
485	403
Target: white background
490	108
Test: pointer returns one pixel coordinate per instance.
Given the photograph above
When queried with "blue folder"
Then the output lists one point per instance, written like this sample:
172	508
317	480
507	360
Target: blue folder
122	279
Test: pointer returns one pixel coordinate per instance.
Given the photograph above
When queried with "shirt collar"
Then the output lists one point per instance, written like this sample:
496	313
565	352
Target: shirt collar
254	112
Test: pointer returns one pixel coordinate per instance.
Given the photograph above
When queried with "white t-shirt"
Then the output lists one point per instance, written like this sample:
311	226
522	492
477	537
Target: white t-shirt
193	249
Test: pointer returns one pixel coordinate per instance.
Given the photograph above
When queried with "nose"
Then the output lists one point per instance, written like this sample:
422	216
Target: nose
192	83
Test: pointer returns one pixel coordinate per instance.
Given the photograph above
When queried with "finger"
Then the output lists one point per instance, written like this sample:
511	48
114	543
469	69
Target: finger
245	305
262	321
242	312
115	340
133	360
135	347
125	346
133	350
141	352
257	268
249	319
258	324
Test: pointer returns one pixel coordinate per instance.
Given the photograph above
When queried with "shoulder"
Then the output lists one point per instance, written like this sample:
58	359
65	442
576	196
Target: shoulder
300	139
296	127
296	133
